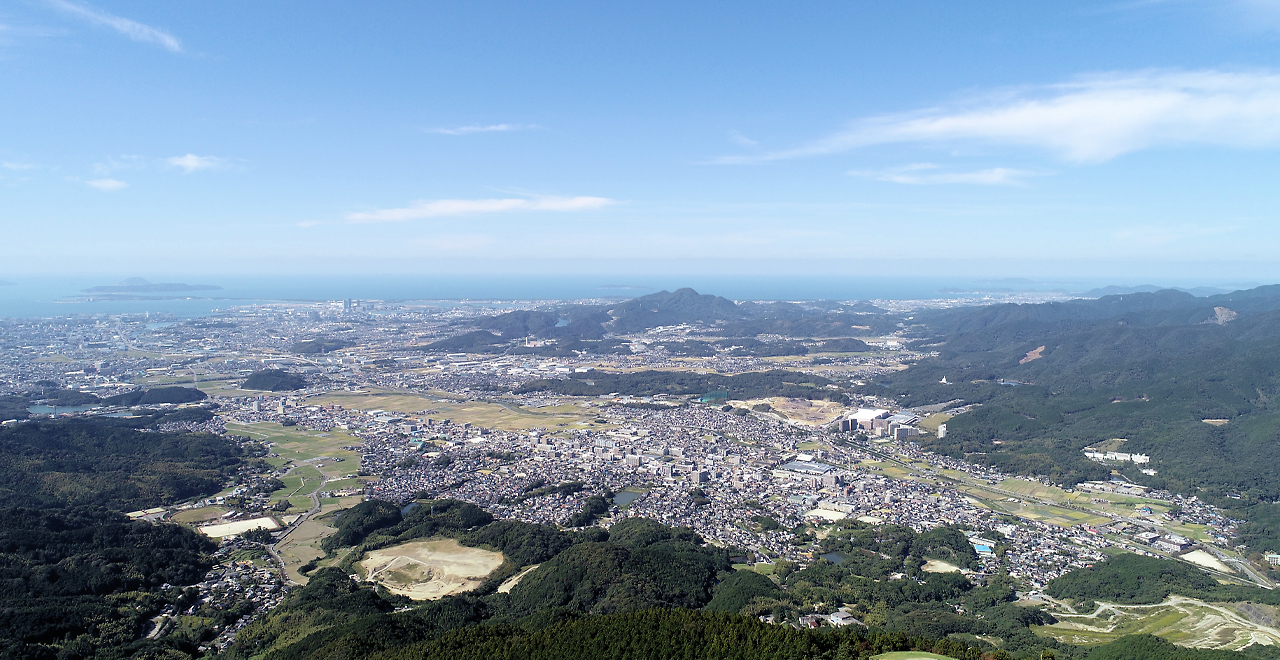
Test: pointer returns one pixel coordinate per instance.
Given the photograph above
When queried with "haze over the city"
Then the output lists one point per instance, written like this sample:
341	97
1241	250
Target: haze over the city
1128	139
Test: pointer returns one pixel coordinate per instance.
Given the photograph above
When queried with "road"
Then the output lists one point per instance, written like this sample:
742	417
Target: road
315	508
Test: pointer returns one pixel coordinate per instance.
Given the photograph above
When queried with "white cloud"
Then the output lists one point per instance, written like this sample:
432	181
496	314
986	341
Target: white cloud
118	163
442	208
739	138
927	173
192	163
108	185
492	128
132	29
17	166
1091	119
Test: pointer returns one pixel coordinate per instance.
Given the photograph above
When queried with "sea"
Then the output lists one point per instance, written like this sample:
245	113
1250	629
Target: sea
48	297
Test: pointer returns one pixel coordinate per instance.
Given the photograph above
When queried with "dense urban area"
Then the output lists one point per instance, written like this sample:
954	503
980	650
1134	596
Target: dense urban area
351	401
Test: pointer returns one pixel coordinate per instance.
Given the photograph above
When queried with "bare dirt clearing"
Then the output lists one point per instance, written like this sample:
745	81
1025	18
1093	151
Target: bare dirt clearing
1032	355
1183	621
935	566
506	587
1202	558
426	570
813	413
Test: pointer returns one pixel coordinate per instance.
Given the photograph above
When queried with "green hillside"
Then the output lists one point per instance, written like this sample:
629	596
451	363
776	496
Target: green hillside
274	380
1147	367
78	579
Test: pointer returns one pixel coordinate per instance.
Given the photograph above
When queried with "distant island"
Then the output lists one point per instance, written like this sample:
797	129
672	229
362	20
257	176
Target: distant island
139	285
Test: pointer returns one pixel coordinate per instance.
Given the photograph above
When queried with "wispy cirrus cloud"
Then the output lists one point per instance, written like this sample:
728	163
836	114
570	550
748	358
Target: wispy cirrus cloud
129	28
1088	120
478	128
107	185
193	163
444	208
931	174
17	166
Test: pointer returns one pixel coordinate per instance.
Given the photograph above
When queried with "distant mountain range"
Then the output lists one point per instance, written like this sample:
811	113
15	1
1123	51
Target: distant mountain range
686	306
1113	290
139	285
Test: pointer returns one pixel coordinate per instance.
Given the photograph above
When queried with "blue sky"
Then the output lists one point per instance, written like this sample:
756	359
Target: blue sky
1138	140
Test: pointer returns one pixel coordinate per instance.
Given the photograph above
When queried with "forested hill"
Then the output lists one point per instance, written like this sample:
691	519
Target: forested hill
78	579
117	463
720	316
776	382
1165	307
1148	367
645	590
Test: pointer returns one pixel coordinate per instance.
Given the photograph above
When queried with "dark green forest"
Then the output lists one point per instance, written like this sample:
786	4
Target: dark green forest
13	406
752	385
274	380
78	579
111	462
642	589
640	569
1134	579
321	345
1147	367
156	395
88	578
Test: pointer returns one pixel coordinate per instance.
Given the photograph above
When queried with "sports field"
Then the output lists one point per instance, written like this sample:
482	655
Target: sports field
198	515
238	527
427	570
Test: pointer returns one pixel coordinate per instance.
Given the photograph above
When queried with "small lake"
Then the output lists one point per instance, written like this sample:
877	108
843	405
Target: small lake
624	499
49	410
835	557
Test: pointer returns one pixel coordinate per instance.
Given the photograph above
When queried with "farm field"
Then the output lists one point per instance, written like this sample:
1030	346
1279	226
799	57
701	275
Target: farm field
301	546
426	570
1183	621
507	417
910	655
303	543
300	444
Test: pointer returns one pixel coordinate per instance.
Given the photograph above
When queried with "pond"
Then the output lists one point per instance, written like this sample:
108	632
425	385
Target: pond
835	557
624	499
